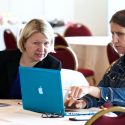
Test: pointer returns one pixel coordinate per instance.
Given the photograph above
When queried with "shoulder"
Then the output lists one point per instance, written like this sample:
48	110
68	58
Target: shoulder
120	61
8	54
50	62
52	58
117	66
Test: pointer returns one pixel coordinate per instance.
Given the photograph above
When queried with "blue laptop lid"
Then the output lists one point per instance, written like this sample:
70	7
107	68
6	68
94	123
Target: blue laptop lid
41	90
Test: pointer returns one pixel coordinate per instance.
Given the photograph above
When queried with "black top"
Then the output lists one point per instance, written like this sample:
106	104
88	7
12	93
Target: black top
9	64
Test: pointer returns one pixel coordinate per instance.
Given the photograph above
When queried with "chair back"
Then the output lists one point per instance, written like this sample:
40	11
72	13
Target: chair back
100	118
77	29
10	40
111	53
60	40
67	57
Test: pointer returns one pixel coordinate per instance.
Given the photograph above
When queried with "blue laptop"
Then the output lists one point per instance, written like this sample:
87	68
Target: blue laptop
42	90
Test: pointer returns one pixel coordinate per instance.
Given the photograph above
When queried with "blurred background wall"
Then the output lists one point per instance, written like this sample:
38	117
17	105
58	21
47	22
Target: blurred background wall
93	13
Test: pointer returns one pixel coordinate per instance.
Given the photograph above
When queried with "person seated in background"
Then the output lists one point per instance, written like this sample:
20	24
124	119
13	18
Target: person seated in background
111	89
35	43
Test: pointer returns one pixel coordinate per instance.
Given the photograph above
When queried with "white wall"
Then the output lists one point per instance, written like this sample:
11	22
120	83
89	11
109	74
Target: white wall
27	9
93	13
113	7
60	9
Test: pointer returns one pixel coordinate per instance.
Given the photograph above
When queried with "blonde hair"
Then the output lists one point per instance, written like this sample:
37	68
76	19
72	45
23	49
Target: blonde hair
35	26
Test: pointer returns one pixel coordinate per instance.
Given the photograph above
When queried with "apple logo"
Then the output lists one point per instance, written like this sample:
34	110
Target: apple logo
40	90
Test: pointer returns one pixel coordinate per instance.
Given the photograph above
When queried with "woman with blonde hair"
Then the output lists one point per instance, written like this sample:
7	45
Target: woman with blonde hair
35	43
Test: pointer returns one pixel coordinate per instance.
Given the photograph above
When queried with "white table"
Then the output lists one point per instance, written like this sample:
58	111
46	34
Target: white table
89	40
91	53
14	114
72	77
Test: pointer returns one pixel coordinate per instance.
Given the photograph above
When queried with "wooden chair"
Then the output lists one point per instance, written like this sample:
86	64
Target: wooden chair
89	74
79	29
60	40
69	61
67	56
10	40
100	118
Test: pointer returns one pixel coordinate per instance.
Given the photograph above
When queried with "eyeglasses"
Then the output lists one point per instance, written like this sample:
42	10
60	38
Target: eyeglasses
46	115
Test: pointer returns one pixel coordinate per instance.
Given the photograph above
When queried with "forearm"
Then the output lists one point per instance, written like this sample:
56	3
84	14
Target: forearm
89	97
94	91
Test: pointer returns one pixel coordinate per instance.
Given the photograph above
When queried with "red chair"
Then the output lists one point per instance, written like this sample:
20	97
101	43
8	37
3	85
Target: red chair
88	73
69	61
100	118
77	29
111	53
10	40
60	40
67	56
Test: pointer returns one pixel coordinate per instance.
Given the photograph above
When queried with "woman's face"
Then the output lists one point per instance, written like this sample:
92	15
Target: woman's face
36	47
118	37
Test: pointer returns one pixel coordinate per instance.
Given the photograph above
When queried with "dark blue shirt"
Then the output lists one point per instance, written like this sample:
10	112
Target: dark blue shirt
15	91
112	87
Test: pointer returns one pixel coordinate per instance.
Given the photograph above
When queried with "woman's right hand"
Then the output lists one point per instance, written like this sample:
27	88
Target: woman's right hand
74	103
75	93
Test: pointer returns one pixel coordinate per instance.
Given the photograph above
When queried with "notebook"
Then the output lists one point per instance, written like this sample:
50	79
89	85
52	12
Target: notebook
42	90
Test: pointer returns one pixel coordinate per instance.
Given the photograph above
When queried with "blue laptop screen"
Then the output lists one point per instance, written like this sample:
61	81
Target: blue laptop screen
41	90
